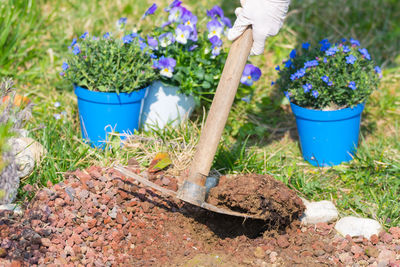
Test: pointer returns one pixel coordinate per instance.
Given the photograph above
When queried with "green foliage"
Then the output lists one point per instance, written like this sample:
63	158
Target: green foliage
18	19
329	76
109	64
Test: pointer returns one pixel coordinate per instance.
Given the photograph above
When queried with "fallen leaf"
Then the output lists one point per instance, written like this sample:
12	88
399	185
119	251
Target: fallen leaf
160	161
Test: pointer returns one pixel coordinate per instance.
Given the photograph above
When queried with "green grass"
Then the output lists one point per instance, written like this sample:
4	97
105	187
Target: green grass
260	136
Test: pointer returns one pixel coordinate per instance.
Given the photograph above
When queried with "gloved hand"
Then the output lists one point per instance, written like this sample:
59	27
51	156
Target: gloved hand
266	17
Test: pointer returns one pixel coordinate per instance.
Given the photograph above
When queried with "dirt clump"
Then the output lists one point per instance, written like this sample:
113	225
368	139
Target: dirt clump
258	195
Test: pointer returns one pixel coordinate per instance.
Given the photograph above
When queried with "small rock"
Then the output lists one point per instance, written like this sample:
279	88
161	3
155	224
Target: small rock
13	207
45	242
387	238
59	202
165	181
356	250
282	241
71	192
259	253
386	256
113	213
28	188
120	218
317	212
371	251
374	239
346	258
3	252
319	252
354	226
273	256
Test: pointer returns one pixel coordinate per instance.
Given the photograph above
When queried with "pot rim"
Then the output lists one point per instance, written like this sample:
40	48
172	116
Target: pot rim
109	97
327	115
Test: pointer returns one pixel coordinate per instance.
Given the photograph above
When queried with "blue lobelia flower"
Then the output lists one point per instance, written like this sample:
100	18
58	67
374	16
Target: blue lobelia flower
150	10
216	11
288	64
354	42
216	45
292	53
166	39
127	39
74	41
272	83
315	93
351	59
330	83
298	74
166	66
76	50
278	68
307	87
121	22
142	43
311	63
250	74
215	28
62	73
325	60
153	43
325	79
305	46
65	66
343	40
287	94
324	45
352	85
106	35
83	36
365	53
378	71
331	51
182	33
346	49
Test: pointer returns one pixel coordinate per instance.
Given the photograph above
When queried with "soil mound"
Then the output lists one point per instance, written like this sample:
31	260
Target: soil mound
260	195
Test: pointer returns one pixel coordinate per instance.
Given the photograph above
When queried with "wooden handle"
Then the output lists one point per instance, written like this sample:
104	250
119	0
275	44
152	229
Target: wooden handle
220	107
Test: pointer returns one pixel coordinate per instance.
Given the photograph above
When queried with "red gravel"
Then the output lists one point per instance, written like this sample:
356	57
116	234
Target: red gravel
97	217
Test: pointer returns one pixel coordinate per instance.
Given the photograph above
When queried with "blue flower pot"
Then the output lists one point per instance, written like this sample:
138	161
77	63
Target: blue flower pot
101	113
328	138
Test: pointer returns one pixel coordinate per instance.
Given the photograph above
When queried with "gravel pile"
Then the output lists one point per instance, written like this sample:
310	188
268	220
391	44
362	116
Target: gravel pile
98	217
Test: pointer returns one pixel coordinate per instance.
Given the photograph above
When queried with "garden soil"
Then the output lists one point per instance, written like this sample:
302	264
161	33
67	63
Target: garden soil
98	217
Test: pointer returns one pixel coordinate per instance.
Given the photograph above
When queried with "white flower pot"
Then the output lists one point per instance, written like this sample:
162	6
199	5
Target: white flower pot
164	105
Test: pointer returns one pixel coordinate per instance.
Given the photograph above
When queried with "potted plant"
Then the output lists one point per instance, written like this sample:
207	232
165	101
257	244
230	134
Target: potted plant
110	75
327	87
189	58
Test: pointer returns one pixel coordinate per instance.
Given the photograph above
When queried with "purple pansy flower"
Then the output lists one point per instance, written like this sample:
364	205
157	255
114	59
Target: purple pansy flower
215	28
293	53
166	39
153	43
193	35
250	74
315	93
365	53
307	87
175	14
311	63
193	47
216	45
305	46
182	33
331	51
352	85
150	10
166	66
351	59
83	36
188	19
354	42
76	50
175	3
227	22
216	11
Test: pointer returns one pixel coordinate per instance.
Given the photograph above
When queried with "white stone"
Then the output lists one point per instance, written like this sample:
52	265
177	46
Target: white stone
317	212
355	226
14	207
163	105
27	153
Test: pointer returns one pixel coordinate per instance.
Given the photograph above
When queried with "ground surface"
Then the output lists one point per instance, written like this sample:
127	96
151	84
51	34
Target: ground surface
98	217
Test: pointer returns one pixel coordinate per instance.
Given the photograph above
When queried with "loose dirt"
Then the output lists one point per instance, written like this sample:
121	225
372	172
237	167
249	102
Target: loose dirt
98	217
261	195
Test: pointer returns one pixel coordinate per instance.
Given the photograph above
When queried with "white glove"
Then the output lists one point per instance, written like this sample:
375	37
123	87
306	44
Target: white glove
266	16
